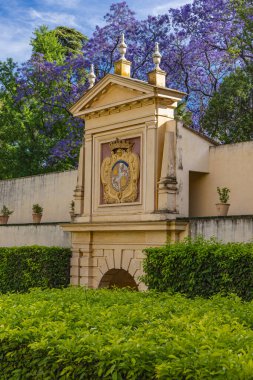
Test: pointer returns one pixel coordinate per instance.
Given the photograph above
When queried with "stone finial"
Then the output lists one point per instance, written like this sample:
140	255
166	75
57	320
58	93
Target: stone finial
157	77
91	77
157	57
122	47
122	66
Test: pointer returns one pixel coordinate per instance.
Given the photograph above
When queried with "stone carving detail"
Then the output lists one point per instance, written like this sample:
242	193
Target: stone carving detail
120	173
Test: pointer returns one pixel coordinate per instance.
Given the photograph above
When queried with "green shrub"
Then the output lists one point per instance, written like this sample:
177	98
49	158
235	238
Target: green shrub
78	333
22	268
201	268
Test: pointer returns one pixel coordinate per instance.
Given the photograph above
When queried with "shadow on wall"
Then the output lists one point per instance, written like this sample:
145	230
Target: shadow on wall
118	278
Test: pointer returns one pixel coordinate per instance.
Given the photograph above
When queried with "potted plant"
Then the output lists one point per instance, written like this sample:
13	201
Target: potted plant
4	215
72	210
37	213
223	206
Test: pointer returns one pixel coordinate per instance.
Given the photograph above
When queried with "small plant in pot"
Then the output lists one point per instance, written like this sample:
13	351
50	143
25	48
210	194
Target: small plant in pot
223	206
37	213
4	215
72	210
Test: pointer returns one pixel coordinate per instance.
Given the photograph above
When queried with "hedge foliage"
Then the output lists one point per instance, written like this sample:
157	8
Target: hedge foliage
201	268
22	268
76	333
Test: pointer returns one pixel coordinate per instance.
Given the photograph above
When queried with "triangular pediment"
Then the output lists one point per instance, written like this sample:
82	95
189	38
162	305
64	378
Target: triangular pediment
111	91
115	93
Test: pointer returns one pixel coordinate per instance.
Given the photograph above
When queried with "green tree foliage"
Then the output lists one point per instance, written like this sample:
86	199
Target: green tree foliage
45	42
229	116
22	148
70	39
8	117
58	43
34	116
77	333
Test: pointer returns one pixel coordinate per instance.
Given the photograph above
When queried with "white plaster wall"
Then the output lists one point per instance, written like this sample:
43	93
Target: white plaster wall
53	191
233	229
39	234
192	154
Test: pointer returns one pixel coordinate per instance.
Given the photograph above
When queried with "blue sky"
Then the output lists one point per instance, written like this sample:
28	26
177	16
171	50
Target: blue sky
18	19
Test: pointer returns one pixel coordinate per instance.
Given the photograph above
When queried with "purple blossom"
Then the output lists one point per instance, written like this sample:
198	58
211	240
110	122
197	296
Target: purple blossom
194	42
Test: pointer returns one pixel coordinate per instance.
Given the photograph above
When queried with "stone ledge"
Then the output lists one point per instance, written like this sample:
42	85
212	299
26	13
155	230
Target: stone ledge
32	224
215	217
165	225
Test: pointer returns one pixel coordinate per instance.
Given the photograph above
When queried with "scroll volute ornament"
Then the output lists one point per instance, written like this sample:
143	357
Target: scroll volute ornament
120	173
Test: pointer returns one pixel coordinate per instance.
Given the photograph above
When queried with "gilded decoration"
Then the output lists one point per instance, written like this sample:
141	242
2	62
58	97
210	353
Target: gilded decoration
120	173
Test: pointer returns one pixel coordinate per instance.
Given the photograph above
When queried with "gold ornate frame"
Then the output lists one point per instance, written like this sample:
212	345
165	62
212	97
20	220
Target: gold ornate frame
121	152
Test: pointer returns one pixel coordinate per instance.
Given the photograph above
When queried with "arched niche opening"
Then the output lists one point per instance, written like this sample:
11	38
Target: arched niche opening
118	278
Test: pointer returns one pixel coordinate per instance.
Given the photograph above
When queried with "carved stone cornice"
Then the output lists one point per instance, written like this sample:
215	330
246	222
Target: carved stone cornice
120	108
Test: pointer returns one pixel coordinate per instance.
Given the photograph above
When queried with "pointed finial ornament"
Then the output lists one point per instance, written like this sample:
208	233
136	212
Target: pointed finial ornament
122	47
91	77
157	77
157	57
122	66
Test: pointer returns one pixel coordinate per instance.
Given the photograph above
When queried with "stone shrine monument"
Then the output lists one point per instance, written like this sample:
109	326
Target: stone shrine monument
133	181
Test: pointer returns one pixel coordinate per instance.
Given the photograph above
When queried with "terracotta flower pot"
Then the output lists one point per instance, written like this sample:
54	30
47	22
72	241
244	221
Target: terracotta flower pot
4	219
222	209
37	218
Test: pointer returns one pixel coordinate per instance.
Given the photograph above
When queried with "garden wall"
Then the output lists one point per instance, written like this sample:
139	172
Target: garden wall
228	229
53	191
48	234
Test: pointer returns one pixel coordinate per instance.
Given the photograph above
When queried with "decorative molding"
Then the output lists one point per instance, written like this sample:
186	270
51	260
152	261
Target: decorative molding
88	139
151	124
120	108
166	102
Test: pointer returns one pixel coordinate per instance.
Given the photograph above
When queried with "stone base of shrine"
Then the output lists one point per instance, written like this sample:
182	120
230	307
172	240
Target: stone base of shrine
111	254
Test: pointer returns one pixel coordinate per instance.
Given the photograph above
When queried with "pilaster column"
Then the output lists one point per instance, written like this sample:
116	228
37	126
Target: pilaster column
88	176
167	185
150	175
79	190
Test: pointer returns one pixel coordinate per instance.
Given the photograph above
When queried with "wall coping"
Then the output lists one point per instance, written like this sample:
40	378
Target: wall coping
216	217
38	175
32	224
179	219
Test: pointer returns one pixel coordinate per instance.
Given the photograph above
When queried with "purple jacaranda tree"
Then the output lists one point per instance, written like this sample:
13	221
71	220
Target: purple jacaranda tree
194	41
101	50
197	44
48	89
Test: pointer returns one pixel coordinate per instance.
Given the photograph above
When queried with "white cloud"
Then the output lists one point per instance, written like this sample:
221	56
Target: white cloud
54	18
70	4
19	21
15	42
155	10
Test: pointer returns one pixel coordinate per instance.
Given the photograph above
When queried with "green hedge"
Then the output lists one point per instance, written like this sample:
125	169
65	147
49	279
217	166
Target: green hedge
201	268
76	333
22	268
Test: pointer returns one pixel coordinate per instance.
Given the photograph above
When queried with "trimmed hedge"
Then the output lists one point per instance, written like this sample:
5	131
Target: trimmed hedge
201	268
22	268
76	333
